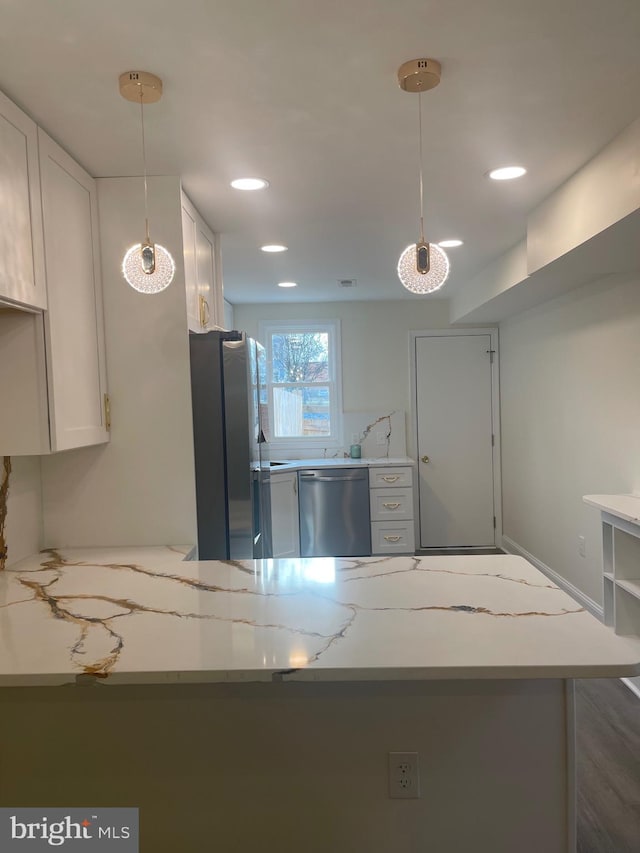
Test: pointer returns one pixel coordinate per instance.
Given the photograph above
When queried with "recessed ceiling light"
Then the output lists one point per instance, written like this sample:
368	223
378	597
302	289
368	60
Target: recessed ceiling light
507	173
287	284
249	184
450	244
274	248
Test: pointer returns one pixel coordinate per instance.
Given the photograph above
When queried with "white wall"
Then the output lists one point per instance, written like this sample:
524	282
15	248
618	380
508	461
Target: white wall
375	345
139	489
23	530
228	315
570	394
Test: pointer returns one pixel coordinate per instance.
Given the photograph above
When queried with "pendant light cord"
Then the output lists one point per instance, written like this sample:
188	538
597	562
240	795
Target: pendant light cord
144	163
421	181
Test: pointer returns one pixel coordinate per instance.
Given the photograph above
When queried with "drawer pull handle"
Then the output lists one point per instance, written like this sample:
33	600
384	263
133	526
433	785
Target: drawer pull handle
393	538
391	505
391	479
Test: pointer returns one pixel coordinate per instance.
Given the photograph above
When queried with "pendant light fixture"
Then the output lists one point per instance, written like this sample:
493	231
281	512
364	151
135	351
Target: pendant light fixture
148	267
423	267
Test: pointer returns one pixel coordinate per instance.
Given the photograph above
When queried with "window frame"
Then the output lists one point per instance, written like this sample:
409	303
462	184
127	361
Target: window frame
301	443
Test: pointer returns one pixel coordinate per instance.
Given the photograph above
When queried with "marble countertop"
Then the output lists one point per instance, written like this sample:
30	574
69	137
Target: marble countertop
623	506
342	462
143	615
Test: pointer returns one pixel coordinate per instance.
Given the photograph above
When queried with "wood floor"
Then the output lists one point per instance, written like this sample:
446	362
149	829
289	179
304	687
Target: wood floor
608	753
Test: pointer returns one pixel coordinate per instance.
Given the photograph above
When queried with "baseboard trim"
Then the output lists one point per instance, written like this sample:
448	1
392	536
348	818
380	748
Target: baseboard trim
589	604
633	687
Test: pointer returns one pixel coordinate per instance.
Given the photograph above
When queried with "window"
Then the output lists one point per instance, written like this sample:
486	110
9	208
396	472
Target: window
303	382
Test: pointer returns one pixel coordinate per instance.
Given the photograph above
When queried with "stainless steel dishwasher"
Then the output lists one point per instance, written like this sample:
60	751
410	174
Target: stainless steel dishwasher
334	512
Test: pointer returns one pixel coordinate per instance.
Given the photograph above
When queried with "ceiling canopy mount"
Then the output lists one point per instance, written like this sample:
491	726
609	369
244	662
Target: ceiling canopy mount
419	75
140	86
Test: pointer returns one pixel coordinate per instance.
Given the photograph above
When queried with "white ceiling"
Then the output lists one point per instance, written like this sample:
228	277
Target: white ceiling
304	93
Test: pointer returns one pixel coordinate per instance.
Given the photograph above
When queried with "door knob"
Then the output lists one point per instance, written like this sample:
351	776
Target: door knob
425	458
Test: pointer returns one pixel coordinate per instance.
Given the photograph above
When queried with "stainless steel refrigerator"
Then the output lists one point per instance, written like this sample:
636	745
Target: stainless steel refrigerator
230	434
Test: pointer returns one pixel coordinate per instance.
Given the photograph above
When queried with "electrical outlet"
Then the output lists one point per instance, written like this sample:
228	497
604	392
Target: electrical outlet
381	437
582	548
404	778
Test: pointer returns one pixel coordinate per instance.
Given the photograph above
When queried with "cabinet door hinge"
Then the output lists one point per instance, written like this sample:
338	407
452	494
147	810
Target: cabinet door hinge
107	412
493	440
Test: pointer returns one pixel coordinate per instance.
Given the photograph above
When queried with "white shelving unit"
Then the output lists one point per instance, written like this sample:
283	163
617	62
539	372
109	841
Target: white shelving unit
620	565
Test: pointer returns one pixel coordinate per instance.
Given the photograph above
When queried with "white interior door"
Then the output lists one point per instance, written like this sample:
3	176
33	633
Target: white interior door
454	439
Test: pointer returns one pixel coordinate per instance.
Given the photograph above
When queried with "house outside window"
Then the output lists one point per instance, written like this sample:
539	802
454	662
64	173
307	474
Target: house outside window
303	380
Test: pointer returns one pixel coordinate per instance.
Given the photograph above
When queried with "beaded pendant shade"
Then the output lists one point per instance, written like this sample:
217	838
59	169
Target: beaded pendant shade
423	267
148	267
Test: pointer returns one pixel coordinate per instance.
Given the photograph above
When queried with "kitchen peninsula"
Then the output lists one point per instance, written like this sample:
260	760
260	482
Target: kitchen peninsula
255	702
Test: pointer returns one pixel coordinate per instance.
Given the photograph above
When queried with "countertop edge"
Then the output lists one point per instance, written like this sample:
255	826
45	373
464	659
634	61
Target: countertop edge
342	462
325	677
600	502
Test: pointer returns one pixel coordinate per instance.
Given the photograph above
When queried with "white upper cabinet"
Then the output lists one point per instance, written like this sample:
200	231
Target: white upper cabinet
194	314
22	277
74	326
203	279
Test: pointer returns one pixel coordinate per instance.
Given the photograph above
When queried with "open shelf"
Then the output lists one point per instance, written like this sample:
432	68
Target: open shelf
626	555
627	612
630	586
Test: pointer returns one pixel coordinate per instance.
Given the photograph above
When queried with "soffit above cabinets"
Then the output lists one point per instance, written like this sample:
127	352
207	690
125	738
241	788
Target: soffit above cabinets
585	231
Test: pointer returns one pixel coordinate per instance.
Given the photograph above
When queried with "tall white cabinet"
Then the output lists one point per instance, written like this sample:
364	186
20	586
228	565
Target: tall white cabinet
74	326
202	271
22	277
52	363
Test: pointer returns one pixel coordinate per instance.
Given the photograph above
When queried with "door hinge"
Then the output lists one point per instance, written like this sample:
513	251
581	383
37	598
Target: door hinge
493	440
494	522
491	352
107	412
